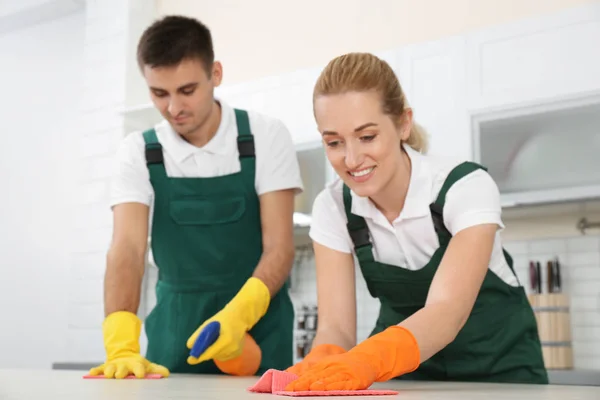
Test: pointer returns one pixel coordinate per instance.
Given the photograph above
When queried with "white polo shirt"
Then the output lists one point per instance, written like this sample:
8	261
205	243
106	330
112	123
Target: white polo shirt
276	162
411	240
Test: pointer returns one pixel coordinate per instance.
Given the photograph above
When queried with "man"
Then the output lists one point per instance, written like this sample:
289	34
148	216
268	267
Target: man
215	187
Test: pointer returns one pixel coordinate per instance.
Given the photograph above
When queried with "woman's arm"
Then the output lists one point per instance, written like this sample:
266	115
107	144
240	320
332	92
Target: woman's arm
336	300
336	297
401	348
453	290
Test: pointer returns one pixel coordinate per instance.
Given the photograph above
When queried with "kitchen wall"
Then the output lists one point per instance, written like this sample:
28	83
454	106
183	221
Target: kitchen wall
244	39
580	261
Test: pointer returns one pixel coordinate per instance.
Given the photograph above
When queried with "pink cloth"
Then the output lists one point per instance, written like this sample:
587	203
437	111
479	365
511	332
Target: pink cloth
148	376
274	381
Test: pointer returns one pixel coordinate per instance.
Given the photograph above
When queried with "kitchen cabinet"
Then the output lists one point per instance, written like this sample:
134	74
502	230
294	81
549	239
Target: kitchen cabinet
543	153
433	79
534	60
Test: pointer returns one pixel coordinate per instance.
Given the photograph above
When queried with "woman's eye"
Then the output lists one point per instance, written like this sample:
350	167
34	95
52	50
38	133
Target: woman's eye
368	138
332	143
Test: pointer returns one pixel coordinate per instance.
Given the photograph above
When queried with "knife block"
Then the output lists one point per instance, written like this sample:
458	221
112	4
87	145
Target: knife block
554	326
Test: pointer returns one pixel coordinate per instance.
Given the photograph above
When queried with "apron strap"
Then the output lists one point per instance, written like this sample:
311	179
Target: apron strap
245	143
437	207
154	155
358	230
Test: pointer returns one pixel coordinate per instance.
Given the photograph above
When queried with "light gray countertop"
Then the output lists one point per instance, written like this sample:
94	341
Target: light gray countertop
21	384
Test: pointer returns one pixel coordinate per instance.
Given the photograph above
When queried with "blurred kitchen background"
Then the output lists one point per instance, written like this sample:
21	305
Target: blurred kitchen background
512	84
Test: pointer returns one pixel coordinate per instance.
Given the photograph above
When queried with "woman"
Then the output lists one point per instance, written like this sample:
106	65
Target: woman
425	232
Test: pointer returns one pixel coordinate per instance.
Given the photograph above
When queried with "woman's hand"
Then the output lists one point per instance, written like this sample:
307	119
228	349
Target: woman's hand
384	356
314	356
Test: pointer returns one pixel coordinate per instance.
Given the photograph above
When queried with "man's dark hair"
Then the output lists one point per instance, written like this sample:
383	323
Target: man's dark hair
171	39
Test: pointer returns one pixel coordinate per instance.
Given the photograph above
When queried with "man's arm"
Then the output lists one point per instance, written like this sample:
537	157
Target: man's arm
277	212
126	258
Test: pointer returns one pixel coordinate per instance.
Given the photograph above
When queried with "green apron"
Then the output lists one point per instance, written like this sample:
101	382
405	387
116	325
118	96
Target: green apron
498	343
206	242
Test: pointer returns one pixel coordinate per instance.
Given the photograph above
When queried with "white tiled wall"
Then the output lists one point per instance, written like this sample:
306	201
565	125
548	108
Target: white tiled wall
580	260
101	130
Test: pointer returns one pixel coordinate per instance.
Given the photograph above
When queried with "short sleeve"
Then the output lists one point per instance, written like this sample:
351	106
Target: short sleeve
276	165
328	226
130	180
473	200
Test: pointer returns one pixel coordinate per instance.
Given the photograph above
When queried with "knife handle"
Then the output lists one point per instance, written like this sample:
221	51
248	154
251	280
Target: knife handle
550	276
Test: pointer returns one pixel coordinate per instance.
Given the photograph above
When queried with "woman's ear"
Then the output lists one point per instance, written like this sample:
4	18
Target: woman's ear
406	122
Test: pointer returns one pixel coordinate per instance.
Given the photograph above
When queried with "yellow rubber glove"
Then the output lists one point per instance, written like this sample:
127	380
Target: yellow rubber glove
239	316
121	332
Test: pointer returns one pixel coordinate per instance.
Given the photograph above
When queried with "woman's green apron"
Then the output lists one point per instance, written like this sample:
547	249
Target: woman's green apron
498	343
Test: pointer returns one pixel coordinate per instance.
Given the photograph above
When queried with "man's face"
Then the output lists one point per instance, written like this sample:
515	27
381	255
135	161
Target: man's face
184	93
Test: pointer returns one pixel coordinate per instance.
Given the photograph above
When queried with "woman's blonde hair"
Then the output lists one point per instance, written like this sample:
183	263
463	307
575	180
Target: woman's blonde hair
366	72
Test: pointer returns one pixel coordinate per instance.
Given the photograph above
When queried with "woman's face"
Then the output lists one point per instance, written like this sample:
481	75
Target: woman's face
361	142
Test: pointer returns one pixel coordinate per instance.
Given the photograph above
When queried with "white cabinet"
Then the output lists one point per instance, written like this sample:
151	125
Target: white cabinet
287	97
546	153
534	99
533	60
433	79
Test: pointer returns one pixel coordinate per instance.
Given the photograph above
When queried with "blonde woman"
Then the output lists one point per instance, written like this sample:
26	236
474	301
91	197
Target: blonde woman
425	233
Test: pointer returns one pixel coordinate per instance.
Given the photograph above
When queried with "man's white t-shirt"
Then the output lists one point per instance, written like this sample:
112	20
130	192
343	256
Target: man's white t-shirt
276	162
411	240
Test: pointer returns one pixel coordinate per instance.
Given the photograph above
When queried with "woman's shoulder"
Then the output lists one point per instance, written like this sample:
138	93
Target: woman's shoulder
440	168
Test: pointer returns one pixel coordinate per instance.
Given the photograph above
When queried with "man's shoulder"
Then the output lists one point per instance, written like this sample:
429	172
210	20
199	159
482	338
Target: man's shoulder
270	133
132	145
132	141
263	124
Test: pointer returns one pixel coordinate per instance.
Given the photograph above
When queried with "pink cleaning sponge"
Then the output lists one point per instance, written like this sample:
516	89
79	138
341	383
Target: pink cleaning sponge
274	381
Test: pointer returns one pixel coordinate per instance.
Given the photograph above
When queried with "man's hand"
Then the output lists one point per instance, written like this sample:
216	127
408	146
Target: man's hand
236	318
121	339
384	356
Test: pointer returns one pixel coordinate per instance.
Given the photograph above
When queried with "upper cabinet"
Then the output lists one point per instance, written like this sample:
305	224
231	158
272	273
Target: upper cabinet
534	102
547	153
534	60
433	79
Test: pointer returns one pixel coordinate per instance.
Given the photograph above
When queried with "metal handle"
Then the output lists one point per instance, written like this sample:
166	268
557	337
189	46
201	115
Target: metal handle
584	224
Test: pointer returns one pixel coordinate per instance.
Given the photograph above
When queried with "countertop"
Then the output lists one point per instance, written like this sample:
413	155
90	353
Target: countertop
21	384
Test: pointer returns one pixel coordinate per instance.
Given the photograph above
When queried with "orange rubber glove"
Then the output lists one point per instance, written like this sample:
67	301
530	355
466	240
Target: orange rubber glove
247	363
383	356
316	354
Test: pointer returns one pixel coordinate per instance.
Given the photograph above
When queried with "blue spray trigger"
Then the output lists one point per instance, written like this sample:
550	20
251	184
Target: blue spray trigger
206	338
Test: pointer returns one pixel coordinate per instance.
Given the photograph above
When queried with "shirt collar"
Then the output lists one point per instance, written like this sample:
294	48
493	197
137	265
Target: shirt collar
180	149
418	196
